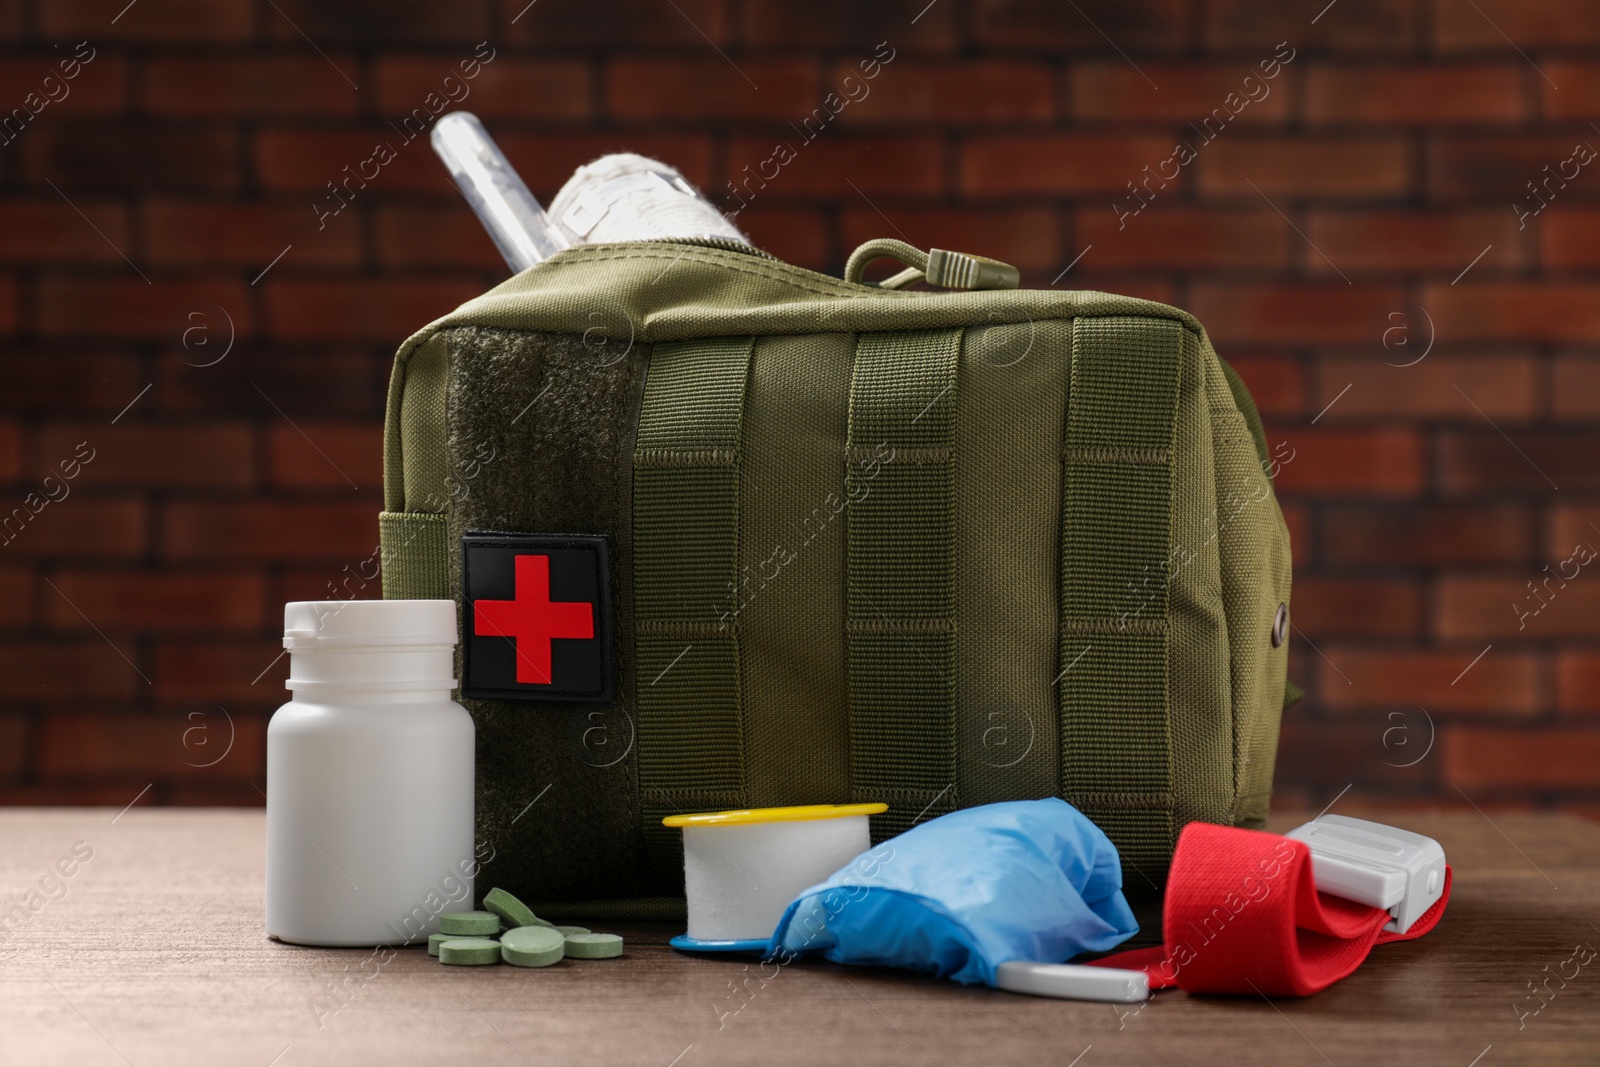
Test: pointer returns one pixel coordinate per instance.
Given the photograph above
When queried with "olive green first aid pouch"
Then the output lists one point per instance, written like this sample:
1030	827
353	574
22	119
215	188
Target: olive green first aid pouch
727	533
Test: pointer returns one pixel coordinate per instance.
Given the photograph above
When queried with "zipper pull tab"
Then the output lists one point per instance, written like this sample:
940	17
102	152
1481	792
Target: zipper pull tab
937	266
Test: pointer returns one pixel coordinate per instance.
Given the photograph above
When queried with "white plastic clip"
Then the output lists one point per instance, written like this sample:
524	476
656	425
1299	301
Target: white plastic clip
1073	981
1374	864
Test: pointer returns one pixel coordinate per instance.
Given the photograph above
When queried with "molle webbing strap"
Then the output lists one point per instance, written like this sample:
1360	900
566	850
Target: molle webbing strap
686	545
413	554
1117	485
900	627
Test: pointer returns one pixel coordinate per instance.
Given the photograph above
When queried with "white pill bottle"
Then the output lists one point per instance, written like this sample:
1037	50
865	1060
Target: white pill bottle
369	776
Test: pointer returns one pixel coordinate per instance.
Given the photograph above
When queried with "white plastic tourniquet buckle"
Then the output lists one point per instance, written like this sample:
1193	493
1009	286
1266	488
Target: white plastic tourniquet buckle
1371	863
1073	981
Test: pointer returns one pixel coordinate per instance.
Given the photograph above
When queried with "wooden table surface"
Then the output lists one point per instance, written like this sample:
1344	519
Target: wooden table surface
155	955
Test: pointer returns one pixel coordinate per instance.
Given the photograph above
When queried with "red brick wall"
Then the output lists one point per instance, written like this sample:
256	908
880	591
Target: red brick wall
1363	198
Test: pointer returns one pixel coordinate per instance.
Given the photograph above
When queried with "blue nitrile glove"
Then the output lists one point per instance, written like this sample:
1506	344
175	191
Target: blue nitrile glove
961	894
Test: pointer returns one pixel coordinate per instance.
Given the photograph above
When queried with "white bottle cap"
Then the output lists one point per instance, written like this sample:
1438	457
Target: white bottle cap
323	624
386	646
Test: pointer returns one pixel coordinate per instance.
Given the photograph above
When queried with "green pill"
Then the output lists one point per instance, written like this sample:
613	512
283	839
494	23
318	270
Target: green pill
512	910
532	946
435	940
469	923
593	946
469	951
568	931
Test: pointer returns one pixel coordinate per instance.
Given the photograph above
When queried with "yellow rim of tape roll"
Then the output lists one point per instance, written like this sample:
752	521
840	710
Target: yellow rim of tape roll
801	813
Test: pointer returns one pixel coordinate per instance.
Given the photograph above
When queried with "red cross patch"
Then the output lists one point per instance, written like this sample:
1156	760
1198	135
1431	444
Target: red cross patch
536	616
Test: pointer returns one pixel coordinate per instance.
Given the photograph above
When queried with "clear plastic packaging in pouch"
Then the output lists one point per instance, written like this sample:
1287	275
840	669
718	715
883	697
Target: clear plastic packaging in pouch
959	895
518	225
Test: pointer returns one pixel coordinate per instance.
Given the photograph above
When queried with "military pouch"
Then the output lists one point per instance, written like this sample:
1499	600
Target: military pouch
726	533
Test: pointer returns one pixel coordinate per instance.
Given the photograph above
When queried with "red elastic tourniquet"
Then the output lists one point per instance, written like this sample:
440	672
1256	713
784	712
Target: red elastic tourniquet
1243	915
